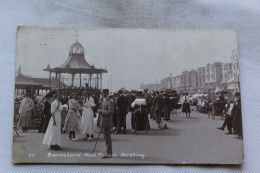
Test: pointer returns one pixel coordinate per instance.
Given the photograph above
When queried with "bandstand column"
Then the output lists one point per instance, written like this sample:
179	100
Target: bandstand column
90	83
56	79
72	79
100	80
79	79
97	82
59	80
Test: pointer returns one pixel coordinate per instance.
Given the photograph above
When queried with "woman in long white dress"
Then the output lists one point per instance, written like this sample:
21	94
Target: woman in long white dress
87	120
52	137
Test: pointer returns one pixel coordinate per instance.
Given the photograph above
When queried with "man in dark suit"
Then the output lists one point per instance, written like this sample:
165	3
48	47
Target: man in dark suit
47	111
106	122
158	106
122	105
166	101
237	116
148	99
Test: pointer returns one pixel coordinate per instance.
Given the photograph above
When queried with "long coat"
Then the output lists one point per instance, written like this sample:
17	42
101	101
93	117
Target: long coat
122	104
158	102
149	102
106	114
25	112
237	116
166	101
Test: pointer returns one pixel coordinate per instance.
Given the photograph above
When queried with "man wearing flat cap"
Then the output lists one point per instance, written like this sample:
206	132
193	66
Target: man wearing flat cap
106	122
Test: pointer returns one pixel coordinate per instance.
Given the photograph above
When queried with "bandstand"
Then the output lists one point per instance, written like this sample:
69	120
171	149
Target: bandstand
76	73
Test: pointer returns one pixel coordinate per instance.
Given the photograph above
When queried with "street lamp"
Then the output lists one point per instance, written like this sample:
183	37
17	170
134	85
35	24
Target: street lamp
185	90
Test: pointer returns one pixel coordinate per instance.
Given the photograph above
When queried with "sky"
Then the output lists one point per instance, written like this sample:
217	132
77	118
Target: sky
131	56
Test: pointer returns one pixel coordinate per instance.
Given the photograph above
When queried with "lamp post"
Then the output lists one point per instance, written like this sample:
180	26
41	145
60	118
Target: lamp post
185	89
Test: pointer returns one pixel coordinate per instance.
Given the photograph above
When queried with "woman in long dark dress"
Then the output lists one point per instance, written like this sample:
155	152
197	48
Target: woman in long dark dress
140	113
186	108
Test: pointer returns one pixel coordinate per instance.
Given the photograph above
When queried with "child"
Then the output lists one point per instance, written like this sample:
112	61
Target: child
72	118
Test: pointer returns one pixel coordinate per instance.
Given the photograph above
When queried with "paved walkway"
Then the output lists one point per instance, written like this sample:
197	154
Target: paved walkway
194	140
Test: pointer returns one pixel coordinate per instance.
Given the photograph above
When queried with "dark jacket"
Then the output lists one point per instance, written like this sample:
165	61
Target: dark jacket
47	109
236	115
158	102
122	104
166	101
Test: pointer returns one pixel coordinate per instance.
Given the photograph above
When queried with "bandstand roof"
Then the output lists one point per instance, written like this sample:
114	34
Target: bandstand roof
22	81
76	63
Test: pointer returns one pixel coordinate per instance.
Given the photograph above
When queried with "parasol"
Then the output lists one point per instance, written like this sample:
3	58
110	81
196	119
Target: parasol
42	97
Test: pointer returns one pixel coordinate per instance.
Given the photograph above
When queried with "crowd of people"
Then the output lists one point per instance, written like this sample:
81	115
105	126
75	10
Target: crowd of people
62	113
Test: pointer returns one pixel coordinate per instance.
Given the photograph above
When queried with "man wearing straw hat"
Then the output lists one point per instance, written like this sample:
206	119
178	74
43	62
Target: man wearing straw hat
25	112
106	123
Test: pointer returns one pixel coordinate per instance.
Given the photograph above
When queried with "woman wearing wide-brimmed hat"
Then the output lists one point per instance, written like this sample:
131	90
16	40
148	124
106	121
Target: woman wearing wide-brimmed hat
72	118
25	112
52	136
87	120
186	108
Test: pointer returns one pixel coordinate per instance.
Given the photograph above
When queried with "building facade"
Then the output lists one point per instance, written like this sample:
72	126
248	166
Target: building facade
201	79
176	82
185	81
206	79
213	73
235	82
226	75
193	82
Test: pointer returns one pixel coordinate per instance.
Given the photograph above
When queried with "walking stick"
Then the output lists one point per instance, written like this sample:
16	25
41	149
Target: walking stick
96	141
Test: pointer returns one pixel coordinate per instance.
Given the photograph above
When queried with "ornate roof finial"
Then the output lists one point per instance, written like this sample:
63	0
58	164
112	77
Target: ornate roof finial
77	35
19	70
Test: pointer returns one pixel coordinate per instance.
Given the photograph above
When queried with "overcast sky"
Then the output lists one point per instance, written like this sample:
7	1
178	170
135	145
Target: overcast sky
132	56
